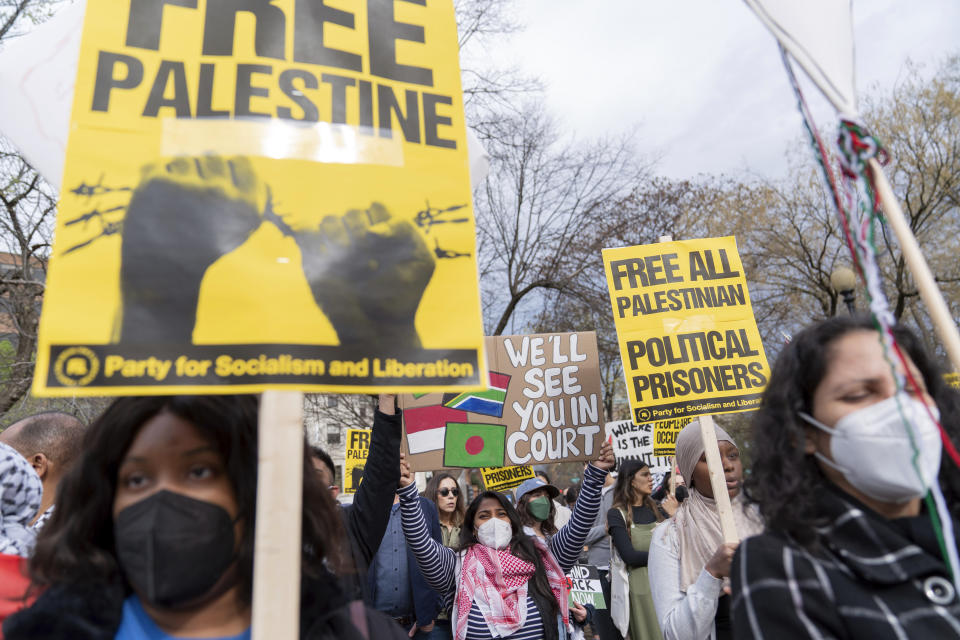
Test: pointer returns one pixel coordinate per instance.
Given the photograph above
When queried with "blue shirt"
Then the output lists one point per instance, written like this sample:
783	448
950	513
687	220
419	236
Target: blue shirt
137	625
394	596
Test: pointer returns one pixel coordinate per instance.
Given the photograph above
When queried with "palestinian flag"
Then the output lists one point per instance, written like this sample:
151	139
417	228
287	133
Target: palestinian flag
488	403
474	445
425	426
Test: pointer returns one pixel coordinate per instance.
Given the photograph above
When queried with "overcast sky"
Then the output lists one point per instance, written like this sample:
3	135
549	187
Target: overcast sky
701	81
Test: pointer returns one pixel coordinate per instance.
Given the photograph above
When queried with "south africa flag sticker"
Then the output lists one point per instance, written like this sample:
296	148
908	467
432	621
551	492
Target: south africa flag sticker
474	445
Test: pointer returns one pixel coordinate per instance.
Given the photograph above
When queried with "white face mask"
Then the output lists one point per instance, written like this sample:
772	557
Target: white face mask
495	533
871	448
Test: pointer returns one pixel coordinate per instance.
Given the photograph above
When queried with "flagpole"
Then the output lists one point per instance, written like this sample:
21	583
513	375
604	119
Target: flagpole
943	321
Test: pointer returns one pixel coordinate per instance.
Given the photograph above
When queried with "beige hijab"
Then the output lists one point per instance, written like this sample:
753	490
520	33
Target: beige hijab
697	521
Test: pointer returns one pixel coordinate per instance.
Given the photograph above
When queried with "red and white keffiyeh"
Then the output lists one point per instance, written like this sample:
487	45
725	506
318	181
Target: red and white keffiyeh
497	581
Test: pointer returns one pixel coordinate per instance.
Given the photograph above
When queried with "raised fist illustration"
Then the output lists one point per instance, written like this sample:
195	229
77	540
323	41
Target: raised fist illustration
368	273
183	217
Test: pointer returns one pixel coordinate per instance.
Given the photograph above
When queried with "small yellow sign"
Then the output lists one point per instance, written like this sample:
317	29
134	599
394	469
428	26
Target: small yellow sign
264	195
504	478
358	448
688	338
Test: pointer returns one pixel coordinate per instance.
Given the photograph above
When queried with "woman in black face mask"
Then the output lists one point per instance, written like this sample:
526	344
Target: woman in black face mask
152	537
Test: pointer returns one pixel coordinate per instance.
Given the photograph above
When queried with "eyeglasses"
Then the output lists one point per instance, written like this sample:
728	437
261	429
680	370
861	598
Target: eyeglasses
445	492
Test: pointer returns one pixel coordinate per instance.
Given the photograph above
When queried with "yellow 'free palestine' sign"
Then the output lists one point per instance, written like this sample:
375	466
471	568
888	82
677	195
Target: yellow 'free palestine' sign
264	195
688	338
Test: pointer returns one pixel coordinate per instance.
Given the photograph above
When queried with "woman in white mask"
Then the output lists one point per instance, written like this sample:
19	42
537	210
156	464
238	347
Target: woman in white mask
503	582
843	459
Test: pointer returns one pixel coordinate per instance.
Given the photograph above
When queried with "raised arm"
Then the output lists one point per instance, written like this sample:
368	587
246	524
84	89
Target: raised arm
370	513
437	563
568	542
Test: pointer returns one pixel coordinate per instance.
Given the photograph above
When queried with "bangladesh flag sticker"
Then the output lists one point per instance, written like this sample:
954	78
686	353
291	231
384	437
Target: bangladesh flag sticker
474	445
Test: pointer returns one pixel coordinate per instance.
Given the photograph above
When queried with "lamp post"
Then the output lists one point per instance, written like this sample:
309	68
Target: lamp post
844	281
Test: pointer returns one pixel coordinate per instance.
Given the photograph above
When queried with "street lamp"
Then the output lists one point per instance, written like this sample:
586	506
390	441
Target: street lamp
844	281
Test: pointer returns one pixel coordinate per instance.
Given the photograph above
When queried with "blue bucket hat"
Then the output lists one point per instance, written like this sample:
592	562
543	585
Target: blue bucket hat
536	483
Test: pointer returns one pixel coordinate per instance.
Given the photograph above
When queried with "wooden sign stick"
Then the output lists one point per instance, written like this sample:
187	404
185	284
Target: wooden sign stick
717	480
277	544
939	313
715	466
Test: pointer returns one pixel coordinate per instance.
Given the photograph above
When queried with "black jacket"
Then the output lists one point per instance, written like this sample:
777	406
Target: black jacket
365	521
871	578
93	612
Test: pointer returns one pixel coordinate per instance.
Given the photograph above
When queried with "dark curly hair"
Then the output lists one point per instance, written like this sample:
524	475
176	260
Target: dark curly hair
522	546
76	546
785	482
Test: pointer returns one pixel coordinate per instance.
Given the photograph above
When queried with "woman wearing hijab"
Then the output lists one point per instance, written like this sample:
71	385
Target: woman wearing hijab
844	458
504	582
689	562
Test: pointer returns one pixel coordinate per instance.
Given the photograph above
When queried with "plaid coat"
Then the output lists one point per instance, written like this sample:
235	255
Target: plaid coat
871	578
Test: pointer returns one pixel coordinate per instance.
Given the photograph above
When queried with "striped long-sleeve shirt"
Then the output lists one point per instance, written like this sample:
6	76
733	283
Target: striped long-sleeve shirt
439	565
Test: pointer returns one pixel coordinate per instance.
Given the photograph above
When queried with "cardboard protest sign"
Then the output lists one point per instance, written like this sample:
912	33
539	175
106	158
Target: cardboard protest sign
282	201
637	442
505	478
584	584
358	448
542	404
688	339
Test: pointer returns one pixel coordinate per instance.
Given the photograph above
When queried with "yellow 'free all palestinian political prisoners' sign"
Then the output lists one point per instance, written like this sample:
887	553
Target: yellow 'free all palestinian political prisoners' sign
355	458
688	338
264	195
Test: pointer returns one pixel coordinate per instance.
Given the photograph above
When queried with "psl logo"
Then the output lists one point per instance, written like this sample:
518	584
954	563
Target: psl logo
76	367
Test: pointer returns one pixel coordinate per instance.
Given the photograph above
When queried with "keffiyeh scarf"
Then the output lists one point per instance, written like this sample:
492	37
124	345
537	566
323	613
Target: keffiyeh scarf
498	582
20	493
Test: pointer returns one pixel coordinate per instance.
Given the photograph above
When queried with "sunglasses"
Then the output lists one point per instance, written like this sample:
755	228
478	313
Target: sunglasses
445	492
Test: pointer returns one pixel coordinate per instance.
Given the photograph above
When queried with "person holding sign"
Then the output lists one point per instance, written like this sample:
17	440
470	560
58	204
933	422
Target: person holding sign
152	537
632	605
844	456
504	582
689	562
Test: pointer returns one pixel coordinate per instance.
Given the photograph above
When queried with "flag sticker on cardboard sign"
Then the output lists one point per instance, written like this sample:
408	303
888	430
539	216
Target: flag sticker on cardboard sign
488	402
427	426
469	444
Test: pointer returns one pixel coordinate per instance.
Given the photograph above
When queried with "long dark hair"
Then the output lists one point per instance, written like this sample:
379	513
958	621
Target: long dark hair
522	546
623	494
785	482
77	545
433	487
